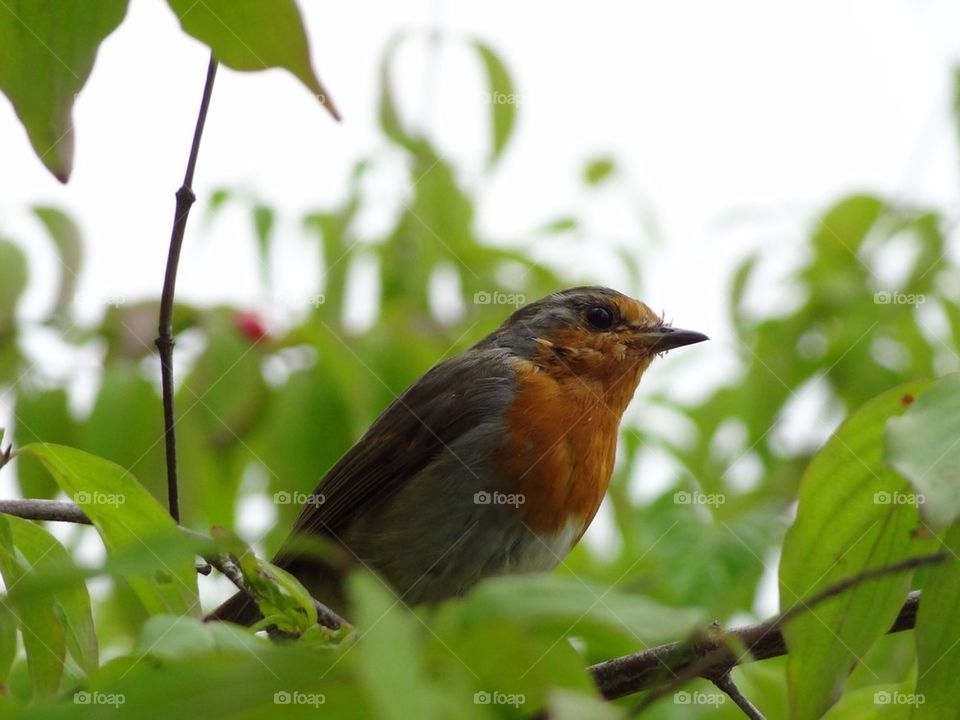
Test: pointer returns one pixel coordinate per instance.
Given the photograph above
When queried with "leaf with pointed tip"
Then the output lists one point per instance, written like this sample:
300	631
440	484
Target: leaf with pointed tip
46	55
254	35
502	97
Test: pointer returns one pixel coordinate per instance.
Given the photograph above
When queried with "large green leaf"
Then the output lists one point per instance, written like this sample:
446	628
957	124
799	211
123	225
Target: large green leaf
47	51
853	515
129	520
923	444
254	35
43	634
938	636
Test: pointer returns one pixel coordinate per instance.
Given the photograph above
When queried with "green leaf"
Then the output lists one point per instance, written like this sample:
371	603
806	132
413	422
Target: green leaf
41	415
853	515
8	638
598	170
502	97
923	446
264	220
46	55
44	639
69	242
389	118
128	519
389	650
13	281
254	35
50	562
174	637
937	636
558	605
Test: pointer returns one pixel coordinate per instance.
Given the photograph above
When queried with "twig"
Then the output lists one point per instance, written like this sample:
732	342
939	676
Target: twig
164	342
61	511
668	666
54	510
725	682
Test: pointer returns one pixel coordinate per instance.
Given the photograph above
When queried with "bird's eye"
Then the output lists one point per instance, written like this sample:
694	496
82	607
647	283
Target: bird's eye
599	317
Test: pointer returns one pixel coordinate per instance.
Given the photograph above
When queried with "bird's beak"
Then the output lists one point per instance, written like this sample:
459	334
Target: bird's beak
667	338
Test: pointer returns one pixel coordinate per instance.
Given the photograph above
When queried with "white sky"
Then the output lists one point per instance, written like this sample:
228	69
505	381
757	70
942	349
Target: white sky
745	108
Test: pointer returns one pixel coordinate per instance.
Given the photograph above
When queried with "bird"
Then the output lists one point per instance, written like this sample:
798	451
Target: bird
494	462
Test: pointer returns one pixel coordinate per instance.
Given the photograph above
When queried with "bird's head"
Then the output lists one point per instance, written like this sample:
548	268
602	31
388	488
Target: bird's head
595	335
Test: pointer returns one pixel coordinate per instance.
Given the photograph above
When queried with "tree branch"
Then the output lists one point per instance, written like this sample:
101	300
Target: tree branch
667	666
61	511
164	341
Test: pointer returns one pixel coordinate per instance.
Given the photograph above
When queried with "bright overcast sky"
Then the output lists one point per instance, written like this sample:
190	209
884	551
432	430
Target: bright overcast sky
713	109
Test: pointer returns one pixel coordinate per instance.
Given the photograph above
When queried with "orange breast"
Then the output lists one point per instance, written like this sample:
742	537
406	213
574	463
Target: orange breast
562	432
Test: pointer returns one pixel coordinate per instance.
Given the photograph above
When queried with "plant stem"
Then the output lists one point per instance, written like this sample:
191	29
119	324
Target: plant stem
165	342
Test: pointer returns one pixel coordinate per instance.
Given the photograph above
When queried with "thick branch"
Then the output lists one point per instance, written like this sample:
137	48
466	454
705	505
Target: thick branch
164	342
644	670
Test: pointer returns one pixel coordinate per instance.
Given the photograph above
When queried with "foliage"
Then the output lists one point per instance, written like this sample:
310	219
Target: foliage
281	404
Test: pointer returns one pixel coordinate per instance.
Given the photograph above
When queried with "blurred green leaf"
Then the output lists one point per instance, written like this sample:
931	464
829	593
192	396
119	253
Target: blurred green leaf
389	650
922	445
48	560
68	240
46	54
598	170
13	281
8	637
41	415
853	515
390	121
126	516
502	97
43	634
254	35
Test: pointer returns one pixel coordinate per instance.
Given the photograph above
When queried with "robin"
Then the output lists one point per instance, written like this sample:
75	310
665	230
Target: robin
494	462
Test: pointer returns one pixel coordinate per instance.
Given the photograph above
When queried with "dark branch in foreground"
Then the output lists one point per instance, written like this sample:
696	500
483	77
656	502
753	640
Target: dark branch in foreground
668	666
60	511
726	683
164	342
